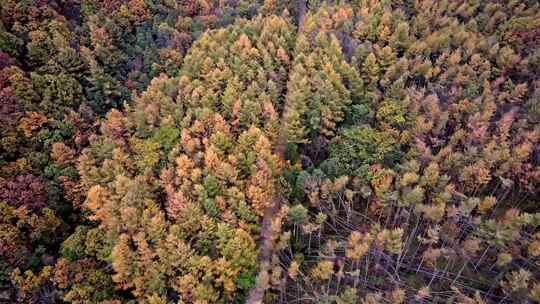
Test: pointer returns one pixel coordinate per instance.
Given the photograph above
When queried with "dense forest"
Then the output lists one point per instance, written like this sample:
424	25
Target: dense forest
236	151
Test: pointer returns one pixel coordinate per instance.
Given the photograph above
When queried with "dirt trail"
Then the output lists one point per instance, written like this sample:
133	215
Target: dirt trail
256	294
264	259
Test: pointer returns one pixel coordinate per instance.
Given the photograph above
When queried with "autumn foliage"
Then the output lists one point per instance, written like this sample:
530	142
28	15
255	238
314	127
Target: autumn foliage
365	151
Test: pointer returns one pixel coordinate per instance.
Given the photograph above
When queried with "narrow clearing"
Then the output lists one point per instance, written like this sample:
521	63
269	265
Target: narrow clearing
256	294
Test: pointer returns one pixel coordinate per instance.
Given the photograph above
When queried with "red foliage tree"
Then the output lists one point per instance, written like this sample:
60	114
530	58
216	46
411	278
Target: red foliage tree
23	191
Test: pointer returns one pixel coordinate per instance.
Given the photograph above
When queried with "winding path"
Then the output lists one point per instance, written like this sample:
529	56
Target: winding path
256	294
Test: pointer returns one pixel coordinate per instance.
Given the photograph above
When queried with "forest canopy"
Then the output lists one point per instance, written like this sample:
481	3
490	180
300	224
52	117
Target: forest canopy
202	151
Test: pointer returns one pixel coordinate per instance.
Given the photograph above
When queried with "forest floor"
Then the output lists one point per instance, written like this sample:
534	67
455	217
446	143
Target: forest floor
266	236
